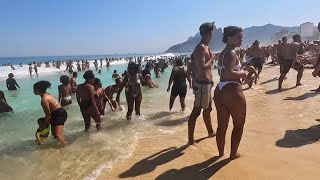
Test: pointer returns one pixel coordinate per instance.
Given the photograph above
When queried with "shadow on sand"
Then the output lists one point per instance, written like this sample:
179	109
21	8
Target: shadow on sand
150	163
269	81
170	123
201	171
301	97
276	91
300	137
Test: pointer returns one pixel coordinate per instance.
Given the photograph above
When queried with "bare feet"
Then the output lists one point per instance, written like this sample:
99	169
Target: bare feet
98	126
233	157
280	89
191	142
316	90
298	84
212	135
221	154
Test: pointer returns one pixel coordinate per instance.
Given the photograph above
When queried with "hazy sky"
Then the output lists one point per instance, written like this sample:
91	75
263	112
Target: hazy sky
87	27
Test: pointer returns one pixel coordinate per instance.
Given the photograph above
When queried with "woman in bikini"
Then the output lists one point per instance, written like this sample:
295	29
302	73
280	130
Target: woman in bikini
55	114
228	96
65	91
132	84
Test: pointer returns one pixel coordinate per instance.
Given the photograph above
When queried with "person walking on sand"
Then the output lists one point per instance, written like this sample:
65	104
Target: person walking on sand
228	95
290	61
202	82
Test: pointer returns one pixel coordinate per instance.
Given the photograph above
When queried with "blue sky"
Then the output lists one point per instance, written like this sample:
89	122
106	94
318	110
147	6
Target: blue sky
87	27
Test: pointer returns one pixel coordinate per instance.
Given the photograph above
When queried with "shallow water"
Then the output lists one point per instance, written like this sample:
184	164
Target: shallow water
87	154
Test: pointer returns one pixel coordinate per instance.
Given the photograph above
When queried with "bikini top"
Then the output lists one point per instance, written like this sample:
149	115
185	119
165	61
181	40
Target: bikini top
237	67
131	83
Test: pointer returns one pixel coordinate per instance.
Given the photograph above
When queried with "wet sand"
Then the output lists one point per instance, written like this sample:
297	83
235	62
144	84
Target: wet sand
280	141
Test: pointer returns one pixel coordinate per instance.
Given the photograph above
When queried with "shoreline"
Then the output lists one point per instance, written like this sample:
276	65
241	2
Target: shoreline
275	145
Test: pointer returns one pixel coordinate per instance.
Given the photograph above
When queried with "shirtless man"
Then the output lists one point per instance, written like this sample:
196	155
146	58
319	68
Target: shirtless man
73	82
201	67
257	54
111	90
85	98
30	69
289	52
316	71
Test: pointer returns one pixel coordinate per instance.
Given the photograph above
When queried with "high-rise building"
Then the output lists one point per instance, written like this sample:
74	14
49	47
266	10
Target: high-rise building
307	30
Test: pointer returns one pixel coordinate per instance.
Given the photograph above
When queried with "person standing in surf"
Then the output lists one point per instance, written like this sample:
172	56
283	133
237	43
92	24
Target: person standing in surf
73	82
65	91
55	115
228	95
85	98
11	82
202	82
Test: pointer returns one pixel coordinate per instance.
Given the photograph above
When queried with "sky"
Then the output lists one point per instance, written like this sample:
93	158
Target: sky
101	27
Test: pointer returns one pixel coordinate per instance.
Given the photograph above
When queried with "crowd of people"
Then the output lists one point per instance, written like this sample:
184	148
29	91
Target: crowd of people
235	68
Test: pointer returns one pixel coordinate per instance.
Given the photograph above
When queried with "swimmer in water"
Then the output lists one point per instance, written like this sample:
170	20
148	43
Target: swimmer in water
100	97
85	98
11	82
132	84
65	91
55	114
115	75
43	131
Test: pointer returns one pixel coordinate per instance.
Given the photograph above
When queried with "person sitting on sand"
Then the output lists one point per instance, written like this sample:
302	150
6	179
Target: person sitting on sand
55	114
65	91
178	77
202	83
132	84
113	89
85	98
11	82
43	131
228	95
100	97
4	106
290	61
73	82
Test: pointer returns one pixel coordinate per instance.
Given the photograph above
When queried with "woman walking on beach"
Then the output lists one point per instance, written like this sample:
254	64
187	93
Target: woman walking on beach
178	77
132	83
12	83
228	96
55	115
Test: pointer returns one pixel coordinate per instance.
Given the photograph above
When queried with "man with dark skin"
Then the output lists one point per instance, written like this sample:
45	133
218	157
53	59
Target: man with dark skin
290	61
113	89
316	71
85	98
73	82
12	83
201	67
257	53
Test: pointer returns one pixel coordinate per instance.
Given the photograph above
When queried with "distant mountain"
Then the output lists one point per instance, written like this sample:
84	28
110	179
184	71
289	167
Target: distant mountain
266	34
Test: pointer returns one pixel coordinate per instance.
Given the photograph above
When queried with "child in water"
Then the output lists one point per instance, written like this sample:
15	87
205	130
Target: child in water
43	131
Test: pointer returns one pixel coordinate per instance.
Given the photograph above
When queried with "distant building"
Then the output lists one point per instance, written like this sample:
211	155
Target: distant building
307	30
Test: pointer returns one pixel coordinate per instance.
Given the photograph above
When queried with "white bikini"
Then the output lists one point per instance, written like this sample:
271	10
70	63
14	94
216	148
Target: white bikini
236	68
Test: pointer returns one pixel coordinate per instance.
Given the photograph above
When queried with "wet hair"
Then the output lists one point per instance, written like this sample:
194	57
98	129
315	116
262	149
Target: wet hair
118	80
135	67
284	38
97	81
230	31
296	36
40	120
74	74
115	71
42	86
88	75
179	62
10	75
64	80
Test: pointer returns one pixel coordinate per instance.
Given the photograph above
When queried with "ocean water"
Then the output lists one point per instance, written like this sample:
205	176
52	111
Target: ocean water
87	154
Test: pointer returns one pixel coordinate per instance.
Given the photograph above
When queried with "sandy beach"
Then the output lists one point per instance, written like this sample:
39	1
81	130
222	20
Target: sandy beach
280	141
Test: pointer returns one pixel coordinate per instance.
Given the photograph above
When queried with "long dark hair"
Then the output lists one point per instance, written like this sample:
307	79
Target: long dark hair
42	86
